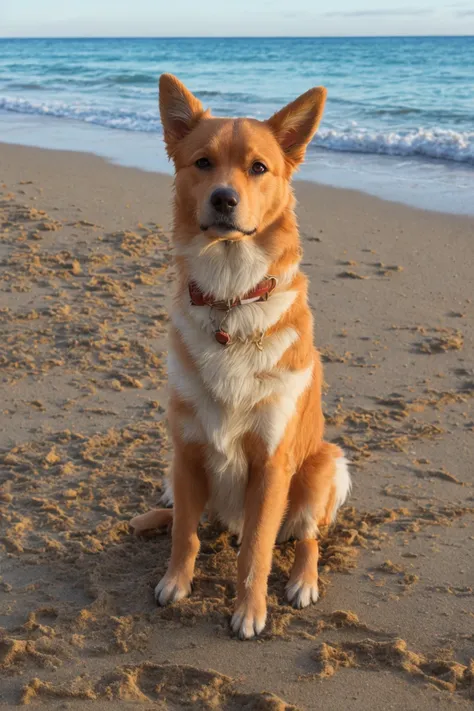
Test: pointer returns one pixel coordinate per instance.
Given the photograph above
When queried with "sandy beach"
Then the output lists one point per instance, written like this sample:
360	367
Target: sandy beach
85	280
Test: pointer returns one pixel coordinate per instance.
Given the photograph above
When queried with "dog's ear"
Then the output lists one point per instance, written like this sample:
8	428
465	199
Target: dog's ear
295	124
180	111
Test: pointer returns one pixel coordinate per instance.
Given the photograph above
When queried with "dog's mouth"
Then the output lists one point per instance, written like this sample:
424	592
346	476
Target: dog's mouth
224	227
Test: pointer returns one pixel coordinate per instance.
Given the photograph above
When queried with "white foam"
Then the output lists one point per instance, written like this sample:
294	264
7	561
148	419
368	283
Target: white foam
143	121
425	142
432	142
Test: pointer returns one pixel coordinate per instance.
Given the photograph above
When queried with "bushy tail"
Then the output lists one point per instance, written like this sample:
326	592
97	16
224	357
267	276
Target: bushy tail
342	483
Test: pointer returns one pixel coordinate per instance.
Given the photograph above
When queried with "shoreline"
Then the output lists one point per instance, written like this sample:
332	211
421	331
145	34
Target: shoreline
413	182
300	183
84	288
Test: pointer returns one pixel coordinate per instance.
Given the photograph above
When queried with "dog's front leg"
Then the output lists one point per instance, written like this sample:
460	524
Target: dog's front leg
266	499
190	496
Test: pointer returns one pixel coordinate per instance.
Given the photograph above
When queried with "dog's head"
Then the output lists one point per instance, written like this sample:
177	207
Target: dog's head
233	175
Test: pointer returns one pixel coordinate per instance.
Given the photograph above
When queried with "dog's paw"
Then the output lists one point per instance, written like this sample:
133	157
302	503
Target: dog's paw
249	619
301	593
171	588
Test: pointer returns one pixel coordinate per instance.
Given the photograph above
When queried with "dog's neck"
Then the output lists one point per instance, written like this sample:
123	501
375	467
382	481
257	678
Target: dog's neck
228	270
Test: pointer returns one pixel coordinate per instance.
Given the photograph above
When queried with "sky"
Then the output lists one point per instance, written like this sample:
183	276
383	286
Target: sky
224	18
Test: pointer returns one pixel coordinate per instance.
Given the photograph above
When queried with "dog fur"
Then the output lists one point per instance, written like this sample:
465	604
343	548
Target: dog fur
245	418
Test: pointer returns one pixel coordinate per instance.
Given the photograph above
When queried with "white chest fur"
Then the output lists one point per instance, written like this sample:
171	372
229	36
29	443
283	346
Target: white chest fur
235	389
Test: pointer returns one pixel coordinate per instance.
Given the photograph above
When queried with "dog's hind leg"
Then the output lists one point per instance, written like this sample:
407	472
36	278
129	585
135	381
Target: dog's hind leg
302	587
156	518
317	491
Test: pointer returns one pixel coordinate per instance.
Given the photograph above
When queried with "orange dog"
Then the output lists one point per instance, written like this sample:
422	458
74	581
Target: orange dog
244	375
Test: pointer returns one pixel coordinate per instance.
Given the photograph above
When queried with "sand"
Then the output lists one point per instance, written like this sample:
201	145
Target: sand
85	281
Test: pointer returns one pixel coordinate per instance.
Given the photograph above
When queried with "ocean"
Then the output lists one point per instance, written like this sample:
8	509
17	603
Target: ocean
399	120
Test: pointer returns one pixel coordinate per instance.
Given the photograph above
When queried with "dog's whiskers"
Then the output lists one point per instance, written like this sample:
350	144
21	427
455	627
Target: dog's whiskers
214	242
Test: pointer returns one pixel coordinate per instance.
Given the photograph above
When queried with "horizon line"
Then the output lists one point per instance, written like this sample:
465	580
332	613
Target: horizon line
231	37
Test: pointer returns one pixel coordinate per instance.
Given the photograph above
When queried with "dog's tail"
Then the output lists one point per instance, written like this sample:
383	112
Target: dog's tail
156	518
342	483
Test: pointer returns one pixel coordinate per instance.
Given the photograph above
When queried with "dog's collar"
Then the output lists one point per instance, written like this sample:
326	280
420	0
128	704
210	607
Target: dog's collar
261	292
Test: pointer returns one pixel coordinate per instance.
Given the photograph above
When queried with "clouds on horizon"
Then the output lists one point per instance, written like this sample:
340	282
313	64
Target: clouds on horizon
89	18
398	11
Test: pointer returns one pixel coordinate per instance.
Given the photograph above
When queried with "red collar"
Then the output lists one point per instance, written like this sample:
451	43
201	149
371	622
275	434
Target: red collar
259	293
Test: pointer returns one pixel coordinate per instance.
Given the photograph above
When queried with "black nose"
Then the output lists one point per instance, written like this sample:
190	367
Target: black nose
224	200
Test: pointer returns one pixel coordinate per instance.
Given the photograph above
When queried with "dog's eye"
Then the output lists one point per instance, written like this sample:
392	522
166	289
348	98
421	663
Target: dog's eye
258	168
203	163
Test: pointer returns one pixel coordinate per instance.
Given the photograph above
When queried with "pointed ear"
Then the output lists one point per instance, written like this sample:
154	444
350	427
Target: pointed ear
295	124
180	111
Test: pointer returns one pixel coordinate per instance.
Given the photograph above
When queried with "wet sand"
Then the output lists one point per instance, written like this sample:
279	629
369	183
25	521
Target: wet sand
84	285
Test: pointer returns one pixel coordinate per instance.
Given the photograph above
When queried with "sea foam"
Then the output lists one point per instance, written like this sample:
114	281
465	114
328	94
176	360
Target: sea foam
427	142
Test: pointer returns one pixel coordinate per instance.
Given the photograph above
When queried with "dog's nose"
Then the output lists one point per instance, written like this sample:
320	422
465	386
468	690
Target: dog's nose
224	200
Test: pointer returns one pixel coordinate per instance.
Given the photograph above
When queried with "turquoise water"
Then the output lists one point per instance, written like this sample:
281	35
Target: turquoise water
408	98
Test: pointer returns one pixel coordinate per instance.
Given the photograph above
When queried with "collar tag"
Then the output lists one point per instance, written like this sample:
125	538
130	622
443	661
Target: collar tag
222	337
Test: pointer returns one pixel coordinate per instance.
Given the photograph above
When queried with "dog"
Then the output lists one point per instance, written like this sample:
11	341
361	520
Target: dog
244	376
